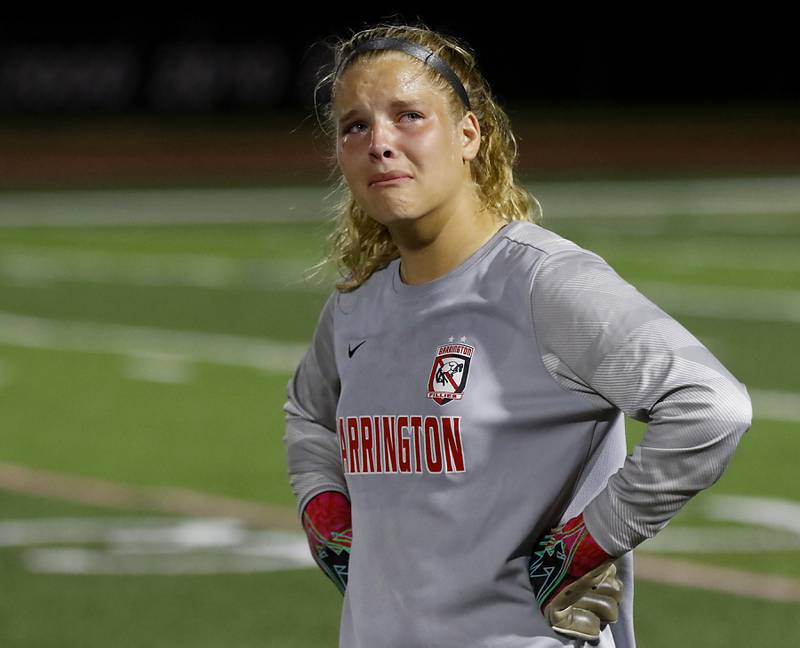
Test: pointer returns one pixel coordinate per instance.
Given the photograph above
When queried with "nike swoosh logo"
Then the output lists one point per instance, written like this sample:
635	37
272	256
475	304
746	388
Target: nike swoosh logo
350	351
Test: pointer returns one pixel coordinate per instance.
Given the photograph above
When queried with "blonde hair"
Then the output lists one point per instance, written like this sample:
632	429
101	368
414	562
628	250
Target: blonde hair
359	245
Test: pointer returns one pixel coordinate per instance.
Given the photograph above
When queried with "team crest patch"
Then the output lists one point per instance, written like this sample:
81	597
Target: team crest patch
449	372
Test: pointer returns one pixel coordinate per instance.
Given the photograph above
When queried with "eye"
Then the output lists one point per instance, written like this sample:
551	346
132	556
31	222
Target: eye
348	129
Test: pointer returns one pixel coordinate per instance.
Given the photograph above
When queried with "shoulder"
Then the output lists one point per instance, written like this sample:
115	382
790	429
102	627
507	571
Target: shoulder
538	239
541	251
542	244
346	303
566	281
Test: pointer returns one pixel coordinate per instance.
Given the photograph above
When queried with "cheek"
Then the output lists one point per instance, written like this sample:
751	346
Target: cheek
444	157
345	159
429	152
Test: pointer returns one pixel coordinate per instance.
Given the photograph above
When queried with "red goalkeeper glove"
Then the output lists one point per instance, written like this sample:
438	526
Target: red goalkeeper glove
575	581
328	525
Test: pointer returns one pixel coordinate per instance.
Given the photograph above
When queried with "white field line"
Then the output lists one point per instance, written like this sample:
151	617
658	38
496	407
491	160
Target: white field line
749	304
72	208
156	367
154	545
110	494
775	254
641	198
143	342
41	265
773	525
30	264
162	353
770	512
772	405
715	540
93	561
762	304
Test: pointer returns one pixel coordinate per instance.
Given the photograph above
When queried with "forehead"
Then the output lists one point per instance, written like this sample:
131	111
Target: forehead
390	78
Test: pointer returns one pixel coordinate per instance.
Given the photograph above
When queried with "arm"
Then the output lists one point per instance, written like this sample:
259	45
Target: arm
313	457
599	336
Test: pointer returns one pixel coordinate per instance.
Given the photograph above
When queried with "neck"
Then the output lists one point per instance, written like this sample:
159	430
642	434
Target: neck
433	245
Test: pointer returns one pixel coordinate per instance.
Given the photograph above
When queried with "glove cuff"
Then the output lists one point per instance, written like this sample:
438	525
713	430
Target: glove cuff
588	554
563	556
326	514
328	525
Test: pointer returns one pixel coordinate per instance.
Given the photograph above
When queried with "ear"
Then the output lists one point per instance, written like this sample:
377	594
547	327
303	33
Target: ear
470	132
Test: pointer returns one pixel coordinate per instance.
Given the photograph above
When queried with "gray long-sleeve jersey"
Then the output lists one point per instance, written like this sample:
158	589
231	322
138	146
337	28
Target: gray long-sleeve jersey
466	416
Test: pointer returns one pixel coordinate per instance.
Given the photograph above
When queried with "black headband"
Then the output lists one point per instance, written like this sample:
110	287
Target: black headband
417	51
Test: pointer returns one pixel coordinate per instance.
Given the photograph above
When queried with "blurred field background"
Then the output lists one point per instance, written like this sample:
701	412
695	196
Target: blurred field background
153	306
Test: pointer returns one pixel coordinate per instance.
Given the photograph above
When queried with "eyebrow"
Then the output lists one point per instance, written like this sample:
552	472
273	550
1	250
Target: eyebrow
396	103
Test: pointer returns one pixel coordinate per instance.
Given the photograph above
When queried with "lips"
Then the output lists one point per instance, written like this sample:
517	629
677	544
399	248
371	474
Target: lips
389	175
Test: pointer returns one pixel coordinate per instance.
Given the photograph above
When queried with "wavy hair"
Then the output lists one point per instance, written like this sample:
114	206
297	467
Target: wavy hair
359	245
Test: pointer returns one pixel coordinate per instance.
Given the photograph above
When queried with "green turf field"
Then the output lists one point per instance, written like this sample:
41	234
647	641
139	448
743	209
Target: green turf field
157	356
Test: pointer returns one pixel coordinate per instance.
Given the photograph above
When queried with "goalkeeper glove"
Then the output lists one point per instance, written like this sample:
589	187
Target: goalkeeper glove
328	526
575	581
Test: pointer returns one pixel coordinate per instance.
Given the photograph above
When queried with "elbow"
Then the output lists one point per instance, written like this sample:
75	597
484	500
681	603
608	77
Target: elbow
747	408
733	413
740	410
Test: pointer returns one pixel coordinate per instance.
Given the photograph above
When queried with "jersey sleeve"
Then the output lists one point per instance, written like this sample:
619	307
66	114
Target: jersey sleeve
600	337
312	446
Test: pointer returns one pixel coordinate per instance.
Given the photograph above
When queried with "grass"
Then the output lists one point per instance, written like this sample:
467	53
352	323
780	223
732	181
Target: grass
218	428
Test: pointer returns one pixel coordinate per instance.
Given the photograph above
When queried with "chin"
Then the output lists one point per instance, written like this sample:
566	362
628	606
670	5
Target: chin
388	217
395	219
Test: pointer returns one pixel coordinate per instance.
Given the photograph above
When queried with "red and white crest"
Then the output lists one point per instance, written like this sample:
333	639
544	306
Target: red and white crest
449	372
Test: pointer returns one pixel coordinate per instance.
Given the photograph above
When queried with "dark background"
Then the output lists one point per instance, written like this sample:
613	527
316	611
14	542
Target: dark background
241	62
105	97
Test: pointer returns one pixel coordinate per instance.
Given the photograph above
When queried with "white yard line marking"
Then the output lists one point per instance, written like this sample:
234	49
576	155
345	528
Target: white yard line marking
159	367
257	353
145	543
756	304
773	525
774	405
191	532
665	197
154	546
780	514
24	265
637	198
774	254
719	539
93	561
71	208
163	354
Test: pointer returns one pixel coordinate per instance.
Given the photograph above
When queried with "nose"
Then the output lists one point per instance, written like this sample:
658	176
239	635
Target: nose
381	144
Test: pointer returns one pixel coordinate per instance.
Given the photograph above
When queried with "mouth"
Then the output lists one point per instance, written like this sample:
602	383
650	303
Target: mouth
390	182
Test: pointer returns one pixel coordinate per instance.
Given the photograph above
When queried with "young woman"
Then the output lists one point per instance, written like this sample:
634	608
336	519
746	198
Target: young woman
455	433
